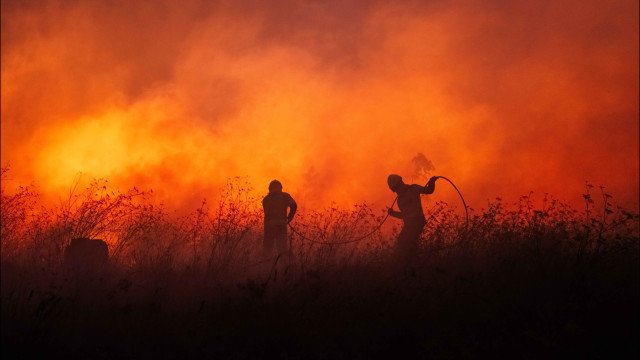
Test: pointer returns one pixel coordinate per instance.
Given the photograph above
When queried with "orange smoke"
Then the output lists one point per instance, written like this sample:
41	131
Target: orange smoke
327	97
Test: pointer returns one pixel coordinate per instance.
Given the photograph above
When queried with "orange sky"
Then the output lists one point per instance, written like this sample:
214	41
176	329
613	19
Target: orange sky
327	96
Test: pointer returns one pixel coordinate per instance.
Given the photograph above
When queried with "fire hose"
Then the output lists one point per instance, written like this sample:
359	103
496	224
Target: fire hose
379	224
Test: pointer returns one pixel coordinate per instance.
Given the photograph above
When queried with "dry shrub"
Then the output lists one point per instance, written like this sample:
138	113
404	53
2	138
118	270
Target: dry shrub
529	272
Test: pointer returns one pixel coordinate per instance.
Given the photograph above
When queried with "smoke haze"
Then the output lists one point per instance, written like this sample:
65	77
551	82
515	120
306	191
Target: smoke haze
329	97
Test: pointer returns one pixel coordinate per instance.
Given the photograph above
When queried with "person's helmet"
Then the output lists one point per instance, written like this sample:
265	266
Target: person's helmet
275	186
393	180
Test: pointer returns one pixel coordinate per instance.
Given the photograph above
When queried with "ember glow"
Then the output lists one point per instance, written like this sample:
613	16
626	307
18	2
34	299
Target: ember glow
329	97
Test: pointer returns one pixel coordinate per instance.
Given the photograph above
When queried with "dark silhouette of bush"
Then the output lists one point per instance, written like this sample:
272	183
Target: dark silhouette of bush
86	255
521	281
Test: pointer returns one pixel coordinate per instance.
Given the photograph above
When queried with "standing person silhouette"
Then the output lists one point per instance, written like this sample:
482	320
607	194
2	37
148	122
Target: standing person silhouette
411	213
275	206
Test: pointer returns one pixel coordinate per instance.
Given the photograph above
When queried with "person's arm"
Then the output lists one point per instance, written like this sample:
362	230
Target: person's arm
395	214
430	187
292	210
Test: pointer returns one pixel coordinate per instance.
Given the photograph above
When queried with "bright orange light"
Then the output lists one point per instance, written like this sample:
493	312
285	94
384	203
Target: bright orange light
502	104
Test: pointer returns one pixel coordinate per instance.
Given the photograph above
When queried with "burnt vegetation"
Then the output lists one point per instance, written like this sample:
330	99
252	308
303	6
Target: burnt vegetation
519	281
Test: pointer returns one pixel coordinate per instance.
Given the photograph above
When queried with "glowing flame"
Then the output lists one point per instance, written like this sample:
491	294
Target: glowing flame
329	98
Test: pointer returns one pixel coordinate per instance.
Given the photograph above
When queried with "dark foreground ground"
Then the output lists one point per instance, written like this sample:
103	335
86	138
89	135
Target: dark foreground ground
451	305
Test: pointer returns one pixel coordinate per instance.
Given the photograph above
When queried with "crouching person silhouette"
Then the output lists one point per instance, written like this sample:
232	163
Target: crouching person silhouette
275	206
412	215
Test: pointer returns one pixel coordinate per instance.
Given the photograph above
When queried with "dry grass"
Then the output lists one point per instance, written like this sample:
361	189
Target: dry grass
519	281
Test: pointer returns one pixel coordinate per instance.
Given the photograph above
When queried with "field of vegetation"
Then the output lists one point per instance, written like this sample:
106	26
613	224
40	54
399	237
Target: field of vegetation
518	281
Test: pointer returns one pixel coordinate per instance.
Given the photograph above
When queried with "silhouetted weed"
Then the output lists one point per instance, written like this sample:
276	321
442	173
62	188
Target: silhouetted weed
521	281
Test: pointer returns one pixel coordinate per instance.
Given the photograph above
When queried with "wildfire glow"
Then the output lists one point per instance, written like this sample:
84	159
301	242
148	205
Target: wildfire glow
328	97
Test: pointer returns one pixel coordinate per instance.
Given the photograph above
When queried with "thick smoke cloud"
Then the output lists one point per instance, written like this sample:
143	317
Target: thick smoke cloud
327	96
